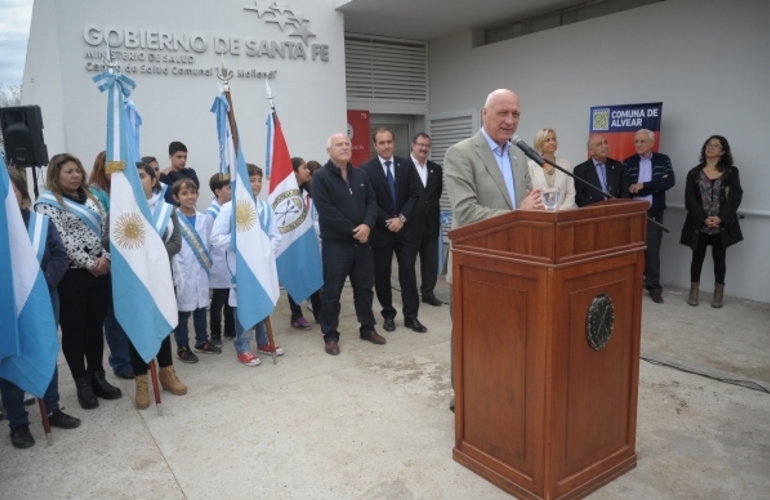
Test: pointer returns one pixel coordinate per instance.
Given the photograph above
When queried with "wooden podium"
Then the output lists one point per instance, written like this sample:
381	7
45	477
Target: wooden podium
545	381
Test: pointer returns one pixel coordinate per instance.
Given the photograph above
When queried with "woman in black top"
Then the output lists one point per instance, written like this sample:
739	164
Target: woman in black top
712	196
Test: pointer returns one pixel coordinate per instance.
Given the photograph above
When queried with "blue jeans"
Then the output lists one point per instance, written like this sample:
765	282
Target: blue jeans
117	340
243	335
13	399
199	323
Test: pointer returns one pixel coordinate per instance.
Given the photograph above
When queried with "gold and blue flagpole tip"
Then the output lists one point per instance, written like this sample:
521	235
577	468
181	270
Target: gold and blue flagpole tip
224	177
114	166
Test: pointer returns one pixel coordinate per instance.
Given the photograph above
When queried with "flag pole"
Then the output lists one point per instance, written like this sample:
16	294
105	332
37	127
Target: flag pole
225	75
46	423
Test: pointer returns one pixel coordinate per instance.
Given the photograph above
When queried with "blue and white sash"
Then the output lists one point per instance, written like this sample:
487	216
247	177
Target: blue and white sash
213	209
161	215
193	239
91	218
38	233
163	188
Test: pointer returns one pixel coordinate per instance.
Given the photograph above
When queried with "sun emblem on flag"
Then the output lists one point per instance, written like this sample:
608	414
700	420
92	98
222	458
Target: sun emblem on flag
129	231
245	216
290	210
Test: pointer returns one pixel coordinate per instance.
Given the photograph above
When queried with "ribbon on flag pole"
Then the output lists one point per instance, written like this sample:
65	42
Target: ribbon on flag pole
142	287
298	258
29	343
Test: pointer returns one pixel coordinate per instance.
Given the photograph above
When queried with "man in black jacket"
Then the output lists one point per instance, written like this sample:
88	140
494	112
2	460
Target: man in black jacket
394	182
426	222
601	171
347	210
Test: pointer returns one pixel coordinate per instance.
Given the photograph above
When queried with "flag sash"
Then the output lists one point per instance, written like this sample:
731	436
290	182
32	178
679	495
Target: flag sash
214	209
161	216
38	233
195	242
91	218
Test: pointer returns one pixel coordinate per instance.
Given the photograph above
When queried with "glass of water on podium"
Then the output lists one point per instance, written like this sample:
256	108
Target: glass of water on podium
550	197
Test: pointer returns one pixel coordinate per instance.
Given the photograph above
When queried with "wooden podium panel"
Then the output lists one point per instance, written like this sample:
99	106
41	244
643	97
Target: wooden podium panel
539	412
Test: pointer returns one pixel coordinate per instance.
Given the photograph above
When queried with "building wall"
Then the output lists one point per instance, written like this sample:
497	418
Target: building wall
310	94
706	60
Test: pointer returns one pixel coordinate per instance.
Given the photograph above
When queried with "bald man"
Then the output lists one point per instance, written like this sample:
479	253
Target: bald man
347	211
486	175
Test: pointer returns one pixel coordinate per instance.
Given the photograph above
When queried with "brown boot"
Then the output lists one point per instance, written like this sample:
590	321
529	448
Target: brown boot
719	290
170	382
693	300
142	400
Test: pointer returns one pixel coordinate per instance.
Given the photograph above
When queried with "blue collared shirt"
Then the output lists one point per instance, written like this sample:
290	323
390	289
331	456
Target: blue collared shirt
504	163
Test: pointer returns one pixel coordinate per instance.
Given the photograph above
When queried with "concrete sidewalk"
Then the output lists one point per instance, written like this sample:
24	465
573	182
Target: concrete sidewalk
373	422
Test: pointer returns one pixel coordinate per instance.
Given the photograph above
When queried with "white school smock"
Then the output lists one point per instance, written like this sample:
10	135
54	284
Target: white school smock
219	276
220	237
193	282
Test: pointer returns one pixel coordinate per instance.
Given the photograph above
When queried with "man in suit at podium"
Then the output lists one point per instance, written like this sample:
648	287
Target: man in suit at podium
426	223
394	182
486	175
600	170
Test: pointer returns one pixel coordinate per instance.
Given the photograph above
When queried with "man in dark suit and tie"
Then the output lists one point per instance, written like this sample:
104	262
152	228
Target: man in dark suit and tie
602	171
426	222
394	182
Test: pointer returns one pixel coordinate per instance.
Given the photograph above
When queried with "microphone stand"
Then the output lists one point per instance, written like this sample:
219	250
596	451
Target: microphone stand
534	156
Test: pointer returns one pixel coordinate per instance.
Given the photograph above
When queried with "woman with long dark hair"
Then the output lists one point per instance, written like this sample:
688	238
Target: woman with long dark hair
712	196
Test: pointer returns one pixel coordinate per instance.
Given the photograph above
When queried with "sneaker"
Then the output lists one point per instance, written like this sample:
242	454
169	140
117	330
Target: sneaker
301	324
216	340
248	359
20	436
186	355
62	420
207	347
269	349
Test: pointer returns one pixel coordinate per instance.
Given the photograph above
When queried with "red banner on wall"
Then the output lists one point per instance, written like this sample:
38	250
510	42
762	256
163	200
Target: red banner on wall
358	133
619	123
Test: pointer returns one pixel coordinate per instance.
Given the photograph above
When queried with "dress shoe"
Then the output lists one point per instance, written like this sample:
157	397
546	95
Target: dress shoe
657	298
126	375
374	337
332	347
86	396
389	325
63	421
415	325
102	388
432	300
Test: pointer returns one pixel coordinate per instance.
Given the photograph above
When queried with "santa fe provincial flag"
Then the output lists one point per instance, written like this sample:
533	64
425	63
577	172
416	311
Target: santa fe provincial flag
299	260
29	343
142	288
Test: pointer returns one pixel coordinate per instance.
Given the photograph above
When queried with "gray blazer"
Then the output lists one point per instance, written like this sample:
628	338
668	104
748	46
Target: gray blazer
475	184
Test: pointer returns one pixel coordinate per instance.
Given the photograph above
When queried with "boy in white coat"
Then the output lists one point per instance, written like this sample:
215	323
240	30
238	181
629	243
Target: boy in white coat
219	277
191	272
220	238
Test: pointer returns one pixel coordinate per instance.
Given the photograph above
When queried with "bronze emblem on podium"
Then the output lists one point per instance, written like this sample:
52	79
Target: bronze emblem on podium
600	321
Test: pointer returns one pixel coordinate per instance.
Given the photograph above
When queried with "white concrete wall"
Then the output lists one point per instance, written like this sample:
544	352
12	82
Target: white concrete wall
708	61
310	94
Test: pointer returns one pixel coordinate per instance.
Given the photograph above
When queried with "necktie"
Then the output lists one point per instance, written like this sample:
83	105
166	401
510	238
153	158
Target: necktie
391	184
602	170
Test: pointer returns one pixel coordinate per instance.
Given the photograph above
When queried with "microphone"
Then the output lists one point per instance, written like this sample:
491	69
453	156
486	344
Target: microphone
534	156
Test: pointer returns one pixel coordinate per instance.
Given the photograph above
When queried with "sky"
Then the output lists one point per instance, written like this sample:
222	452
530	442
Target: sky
15	17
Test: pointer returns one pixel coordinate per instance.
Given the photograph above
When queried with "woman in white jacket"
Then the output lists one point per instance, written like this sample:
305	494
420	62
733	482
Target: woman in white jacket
547	176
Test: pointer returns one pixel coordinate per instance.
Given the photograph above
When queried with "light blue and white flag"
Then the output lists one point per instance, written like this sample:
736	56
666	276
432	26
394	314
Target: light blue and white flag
299	260
29	343
134	124
142	288
256	276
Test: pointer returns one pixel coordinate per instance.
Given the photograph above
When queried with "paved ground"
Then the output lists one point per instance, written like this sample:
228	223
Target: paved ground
372	423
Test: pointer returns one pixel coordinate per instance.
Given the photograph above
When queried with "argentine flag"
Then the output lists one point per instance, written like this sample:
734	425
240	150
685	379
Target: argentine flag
299	259
256	276
142	288
29	343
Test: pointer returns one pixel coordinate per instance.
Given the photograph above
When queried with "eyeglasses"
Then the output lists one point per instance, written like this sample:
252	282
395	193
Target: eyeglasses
715	146
422	144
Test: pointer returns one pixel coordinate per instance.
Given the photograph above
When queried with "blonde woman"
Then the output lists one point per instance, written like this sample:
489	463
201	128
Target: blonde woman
545	144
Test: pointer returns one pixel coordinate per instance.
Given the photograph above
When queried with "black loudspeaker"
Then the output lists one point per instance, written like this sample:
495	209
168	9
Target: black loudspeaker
22	128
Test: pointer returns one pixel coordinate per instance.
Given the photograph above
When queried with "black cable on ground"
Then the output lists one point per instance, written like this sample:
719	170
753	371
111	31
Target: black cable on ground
746	384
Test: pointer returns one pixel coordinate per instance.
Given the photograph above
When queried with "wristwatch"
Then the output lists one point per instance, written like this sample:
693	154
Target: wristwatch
402	218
